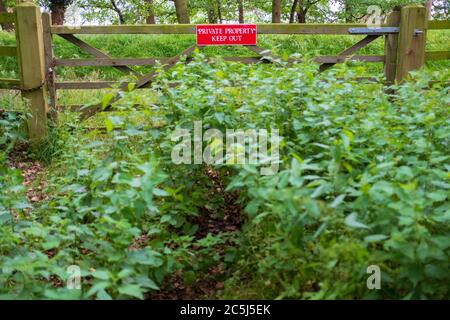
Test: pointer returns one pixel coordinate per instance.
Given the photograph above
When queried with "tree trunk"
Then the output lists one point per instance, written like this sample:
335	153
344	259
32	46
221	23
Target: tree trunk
5	26
348	12
212	17
219	11
181	7
150	19
293	11
118	11
241	11
276	11
58	12
301	13
429	6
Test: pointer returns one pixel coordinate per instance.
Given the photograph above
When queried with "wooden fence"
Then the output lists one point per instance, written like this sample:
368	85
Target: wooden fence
29	51
404	33
8	51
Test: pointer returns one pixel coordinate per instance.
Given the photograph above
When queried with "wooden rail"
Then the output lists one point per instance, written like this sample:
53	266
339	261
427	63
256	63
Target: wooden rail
102	62
330	29
437	55
6	17
9	83
8	51
83	85
438	24
306	28
97	62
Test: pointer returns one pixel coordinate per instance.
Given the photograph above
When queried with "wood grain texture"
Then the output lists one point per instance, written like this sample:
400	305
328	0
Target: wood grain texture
275	28
342	56
95	52
103	62
49	60
438	24
30	45
391	49
437	55
411	47
7	17
6	83
8	51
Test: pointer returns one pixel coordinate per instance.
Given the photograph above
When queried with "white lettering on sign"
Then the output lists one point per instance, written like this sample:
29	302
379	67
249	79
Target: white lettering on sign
240	34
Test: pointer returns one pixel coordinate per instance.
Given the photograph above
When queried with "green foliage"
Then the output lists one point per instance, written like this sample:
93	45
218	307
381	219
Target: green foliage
364	177
363	180
105	195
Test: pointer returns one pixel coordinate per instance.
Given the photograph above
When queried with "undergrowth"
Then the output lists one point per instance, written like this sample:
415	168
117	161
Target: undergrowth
363	180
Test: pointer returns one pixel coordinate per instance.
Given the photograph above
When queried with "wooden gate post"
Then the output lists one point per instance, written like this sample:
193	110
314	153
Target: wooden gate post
30	47
391	48
49	67
412	40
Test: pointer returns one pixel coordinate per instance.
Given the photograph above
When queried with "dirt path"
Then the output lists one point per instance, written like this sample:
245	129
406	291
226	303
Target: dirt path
209	284
30	170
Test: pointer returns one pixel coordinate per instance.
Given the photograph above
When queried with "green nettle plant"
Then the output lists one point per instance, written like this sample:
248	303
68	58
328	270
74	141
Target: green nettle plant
364	180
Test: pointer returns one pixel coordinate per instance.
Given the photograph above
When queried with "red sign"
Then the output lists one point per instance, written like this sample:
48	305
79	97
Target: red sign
226	34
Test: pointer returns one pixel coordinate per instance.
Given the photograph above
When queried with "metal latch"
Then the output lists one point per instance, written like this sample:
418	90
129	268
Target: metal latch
381	31
417	32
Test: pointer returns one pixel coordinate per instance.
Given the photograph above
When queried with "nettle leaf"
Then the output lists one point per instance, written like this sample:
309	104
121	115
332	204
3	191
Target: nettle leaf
145	257
436	271
22	205
441	184
52	242
159	192
167	218
336	202
351	221
443	217
132	290
106	99
101	274
103	295
375	238
97	287
437	196
5	218
146	282
209	241
108	124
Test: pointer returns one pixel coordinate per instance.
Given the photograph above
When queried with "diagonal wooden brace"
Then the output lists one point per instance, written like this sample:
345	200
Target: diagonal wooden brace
95	52
146	79
141	82
349	51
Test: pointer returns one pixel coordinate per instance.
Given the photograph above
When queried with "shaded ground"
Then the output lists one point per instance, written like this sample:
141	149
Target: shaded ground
30	170
210	283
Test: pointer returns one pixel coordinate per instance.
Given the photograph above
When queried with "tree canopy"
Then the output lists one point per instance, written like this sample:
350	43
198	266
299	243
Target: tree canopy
220	11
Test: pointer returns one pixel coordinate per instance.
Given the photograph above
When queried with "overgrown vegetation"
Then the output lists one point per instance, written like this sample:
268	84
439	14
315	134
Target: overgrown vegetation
364	180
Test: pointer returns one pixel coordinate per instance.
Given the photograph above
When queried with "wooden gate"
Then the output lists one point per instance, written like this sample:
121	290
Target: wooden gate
404	34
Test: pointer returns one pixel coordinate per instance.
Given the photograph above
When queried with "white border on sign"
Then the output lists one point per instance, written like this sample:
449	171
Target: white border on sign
225	45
